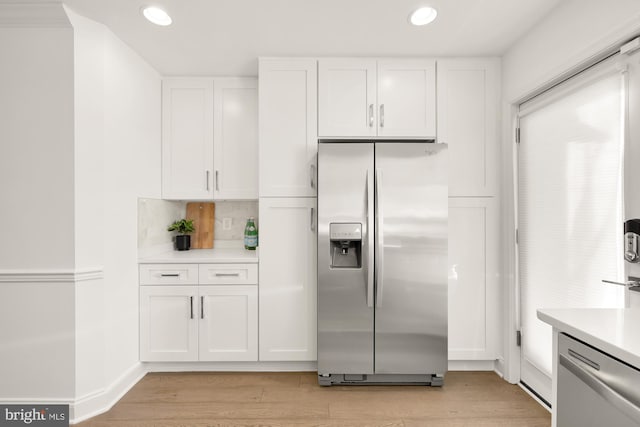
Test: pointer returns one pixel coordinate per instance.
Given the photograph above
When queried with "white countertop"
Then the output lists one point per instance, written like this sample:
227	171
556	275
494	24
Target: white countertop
614	331
203	256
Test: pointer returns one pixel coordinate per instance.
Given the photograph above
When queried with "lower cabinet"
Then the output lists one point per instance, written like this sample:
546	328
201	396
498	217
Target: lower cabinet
168	323
198	323
288	276
474	308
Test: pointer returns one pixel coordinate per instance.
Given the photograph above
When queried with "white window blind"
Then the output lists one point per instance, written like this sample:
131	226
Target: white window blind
569	203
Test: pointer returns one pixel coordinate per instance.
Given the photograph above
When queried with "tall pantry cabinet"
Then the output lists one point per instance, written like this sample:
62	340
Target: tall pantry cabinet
287	190
468	102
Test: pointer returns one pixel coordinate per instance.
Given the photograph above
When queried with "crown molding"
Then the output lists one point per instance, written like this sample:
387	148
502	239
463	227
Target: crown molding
33	15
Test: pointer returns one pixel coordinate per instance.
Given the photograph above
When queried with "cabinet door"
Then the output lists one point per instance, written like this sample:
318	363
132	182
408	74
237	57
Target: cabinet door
288	127
407	98
235	142
228	323
474	304
468	97
288	279
187	138
168	323
347	98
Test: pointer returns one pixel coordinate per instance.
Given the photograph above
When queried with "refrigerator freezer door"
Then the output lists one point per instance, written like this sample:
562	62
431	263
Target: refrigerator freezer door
345	295
411	258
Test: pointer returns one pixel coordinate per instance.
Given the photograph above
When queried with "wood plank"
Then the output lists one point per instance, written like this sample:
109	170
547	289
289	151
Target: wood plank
317	422
268	399
203	215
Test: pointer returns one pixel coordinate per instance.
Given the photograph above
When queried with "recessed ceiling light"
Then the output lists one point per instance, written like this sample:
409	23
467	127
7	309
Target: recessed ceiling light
157	15
423	16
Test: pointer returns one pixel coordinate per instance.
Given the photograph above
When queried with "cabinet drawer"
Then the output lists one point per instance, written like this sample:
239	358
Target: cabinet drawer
168	274
228	274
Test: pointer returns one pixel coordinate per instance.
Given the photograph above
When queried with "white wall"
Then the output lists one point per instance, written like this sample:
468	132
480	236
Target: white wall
131	169
573	33
80	135
117	149
88	64
36	137
36	189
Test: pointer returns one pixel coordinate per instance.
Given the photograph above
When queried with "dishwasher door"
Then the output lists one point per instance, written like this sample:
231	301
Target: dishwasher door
595	389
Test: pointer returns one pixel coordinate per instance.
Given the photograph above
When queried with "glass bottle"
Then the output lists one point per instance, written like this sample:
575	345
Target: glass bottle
250	235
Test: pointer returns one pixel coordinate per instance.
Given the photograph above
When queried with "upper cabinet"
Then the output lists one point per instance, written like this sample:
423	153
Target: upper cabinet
468	103
235	136
366	98
288	127
209	138
187	138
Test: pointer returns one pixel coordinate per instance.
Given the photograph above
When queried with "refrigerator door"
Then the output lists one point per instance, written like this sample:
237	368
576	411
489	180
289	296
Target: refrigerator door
411	258
345	294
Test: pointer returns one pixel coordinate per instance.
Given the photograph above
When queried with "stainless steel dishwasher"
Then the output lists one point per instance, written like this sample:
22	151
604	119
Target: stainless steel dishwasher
594	388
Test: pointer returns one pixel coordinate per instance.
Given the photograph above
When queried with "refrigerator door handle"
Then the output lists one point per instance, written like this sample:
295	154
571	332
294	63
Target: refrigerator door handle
379	266
370	234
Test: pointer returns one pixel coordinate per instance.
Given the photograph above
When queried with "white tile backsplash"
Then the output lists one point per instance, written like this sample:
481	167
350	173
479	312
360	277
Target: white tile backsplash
154	216
239	212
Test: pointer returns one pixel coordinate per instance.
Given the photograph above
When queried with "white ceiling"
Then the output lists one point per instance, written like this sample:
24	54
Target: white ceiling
225	37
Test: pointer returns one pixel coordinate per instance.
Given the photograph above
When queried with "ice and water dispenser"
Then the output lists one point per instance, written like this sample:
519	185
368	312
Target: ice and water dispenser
346	244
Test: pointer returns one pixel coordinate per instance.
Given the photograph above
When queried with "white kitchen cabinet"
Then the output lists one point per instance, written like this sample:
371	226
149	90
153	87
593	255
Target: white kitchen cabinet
288	127
229	274
473	279
195	322
368	98
228	327
235	136
288	277
347	97
468	106
209	138
168	323
187	138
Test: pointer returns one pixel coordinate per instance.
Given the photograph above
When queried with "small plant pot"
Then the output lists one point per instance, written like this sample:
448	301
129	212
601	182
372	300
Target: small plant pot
183	242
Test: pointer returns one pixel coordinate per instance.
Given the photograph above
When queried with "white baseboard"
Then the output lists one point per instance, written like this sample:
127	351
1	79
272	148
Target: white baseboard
472	365
101	401
231	366
499	367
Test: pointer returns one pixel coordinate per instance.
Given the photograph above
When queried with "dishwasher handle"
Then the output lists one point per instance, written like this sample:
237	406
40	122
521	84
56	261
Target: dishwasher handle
629	408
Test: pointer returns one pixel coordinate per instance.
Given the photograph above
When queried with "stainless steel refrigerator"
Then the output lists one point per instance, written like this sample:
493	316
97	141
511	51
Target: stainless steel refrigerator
382	262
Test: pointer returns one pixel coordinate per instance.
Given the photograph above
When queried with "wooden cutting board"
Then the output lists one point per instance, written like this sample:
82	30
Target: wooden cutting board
203	215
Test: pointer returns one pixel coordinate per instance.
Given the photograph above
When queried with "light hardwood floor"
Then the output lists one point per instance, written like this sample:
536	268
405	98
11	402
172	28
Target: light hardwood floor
295	399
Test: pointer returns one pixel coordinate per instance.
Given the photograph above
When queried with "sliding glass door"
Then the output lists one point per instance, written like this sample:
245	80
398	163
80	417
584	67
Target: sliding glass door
569	207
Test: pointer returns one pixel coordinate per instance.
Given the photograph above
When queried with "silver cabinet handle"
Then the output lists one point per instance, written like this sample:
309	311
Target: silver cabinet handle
370	115
312	223
191	304
202	307
217	181
369	236
380	236
169	275
381	115
631	409
227	274
312	175
207	179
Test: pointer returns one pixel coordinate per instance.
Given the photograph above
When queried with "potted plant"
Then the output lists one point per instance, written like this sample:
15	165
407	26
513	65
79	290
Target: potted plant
183	240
